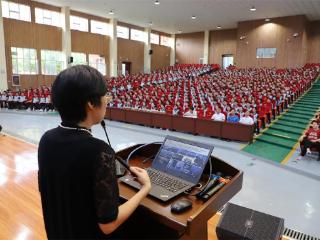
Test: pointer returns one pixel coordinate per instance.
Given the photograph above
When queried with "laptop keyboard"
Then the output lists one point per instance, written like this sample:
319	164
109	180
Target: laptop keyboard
165	181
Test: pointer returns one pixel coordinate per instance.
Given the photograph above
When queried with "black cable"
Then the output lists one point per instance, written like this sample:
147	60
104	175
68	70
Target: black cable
143	145
209	178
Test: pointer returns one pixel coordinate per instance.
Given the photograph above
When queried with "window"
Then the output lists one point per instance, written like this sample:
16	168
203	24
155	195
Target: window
138	35
51	62
48	17
16	11
24	61
165	41
79	58
266	52
98	62
100	27
79	23
122	32
154	38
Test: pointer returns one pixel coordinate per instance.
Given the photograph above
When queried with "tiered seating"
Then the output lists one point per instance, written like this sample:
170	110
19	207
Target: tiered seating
263	93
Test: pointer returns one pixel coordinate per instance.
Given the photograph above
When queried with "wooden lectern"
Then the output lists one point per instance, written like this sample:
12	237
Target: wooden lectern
191	224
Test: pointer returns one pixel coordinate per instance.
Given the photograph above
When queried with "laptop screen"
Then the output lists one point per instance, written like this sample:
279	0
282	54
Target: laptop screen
182	158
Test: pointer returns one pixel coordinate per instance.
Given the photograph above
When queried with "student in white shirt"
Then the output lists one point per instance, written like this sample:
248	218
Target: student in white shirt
191	113
218	116
246	119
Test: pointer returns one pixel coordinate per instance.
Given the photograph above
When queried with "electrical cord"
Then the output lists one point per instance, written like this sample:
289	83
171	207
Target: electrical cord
136	149
209	178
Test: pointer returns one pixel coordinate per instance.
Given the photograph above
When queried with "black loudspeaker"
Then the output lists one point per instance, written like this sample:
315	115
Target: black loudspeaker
240	223
70	60
150	52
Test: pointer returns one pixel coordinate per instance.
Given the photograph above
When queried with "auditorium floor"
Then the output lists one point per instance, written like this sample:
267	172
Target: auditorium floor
284	191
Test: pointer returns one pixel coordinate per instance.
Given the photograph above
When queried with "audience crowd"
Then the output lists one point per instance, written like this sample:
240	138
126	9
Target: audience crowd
246	96
32	99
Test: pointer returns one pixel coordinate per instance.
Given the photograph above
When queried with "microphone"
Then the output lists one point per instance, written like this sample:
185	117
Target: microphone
103	124
118	158
214	180
210	193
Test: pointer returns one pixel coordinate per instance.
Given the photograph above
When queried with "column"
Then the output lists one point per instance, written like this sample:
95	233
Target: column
173	50
113	48
147	48
206	47
66	35
3	64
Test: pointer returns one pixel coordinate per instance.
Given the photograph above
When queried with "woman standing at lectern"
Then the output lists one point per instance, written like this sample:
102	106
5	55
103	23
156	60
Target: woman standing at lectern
77	178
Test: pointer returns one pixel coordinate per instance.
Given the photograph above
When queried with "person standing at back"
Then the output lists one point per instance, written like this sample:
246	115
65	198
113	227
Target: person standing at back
77	176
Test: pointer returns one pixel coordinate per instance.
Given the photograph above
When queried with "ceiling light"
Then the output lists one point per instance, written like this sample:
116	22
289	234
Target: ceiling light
179	31
111	12
193	17
252	9
157	2
218	27
150	23
267	19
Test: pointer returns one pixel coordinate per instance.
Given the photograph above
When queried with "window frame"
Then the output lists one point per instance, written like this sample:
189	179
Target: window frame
19	64
45	62
72	24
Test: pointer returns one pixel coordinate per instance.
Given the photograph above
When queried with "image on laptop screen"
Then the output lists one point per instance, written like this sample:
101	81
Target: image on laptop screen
183	159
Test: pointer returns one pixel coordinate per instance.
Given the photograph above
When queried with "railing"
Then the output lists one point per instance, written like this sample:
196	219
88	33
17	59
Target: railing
205	127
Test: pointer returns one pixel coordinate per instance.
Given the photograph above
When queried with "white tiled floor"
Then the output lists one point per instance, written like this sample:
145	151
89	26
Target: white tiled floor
267	187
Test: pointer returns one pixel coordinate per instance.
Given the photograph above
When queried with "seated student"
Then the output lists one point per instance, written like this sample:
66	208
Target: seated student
35	102
191	113
3	100
218	116
232	117
10	100
311	139
246	119
22	101
42	101
16	99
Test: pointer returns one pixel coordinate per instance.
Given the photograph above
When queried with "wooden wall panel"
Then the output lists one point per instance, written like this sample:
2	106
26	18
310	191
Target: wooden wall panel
222	42
189	47
313	39
131	51
90	43
160	57
30	35
291	51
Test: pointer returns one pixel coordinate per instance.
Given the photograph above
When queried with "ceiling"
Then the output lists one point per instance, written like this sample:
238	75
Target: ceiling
173	15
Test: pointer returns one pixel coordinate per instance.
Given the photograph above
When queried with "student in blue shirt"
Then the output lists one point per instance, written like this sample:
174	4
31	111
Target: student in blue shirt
232	117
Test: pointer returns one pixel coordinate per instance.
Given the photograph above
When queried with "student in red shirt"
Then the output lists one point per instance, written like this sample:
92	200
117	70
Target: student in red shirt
311	139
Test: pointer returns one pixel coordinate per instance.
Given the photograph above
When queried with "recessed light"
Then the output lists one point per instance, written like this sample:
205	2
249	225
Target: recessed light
252	9
193	17
111	12
157	2
267	19
179	31
218	27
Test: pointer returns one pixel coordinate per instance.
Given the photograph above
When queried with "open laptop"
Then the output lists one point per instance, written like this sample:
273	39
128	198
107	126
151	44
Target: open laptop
176	168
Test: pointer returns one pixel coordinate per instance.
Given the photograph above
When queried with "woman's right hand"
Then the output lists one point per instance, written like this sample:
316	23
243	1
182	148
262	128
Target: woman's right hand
142	177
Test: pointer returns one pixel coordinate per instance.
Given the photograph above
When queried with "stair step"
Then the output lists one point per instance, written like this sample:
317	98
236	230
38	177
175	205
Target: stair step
304	113
291	124
287	129
276	141
287	135
292	119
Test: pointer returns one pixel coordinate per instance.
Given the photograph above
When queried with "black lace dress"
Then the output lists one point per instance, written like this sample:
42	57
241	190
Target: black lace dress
77	183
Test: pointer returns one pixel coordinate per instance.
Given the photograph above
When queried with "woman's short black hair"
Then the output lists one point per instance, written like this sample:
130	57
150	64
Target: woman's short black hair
73	88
